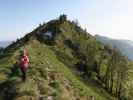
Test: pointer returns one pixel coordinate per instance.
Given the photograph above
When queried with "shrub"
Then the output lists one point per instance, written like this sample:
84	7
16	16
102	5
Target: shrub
63	18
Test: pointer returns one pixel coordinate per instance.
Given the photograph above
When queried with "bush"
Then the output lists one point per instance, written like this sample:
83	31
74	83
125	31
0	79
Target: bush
63	18
55	84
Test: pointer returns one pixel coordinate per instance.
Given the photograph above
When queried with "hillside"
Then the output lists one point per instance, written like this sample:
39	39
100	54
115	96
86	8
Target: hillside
66	63
125	46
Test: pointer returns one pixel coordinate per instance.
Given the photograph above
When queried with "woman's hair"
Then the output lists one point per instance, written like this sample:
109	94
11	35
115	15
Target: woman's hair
25	52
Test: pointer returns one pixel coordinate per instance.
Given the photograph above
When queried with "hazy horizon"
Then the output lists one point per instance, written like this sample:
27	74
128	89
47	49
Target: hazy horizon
112	18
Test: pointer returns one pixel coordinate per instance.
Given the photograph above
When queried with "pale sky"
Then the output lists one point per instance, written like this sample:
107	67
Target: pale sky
112	18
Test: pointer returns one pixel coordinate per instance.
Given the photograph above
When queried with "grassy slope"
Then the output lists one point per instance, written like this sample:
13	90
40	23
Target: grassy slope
47	77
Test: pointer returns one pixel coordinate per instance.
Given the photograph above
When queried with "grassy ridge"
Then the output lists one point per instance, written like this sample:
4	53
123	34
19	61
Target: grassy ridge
46	77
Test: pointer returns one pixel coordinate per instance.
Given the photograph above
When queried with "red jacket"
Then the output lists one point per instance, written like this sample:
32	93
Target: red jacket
24	62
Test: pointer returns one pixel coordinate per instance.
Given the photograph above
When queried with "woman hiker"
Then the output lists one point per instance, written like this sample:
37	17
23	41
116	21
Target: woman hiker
24	64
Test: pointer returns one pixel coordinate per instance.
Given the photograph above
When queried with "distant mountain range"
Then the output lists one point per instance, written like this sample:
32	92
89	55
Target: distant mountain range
125	46
4	44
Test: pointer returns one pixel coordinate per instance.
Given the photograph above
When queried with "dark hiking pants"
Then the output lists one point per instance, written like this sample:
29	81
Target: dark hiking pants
23	70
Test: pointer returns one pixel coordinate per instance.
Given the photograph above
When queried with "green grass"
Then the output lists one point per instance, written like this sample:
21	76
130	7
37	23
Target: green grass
53	62
44	63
